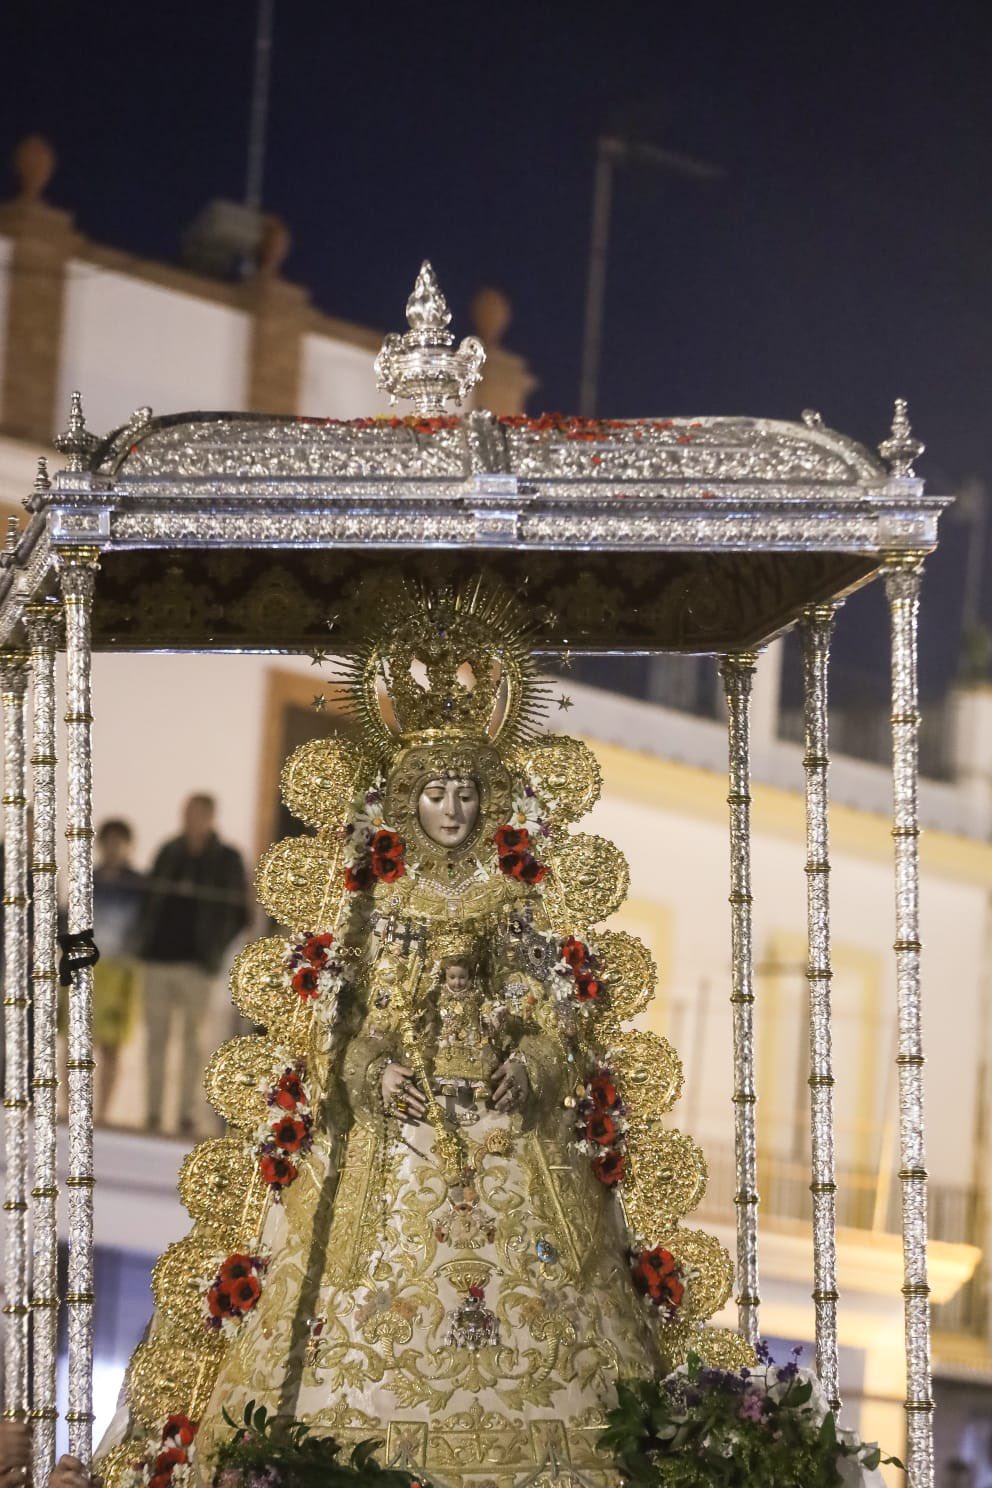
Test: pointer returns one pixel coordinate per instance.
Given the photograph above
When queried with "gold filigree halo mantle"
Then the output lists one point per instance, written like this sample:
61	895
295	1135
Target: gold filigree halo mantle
446	666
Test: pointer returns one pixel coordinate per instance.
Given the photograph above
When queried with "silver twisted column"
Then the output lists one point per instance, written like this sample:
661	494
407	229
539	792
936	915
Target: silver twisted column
78	575
737	672
902	585
816	629
13	684
42	622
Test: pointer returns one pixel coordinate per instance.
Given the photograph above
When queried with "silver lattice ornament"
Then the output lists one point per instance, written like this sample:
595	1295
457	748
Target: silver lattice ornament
422	364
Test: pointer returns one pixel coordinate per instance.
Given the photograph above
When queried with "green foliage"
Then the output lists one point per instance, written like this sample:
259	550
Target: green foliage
270	1452
705	1428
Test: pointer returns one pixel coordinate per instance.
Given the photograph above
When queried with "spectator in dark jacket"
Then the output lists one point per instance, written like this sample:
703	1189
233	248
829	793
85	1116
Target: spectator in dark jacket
195	904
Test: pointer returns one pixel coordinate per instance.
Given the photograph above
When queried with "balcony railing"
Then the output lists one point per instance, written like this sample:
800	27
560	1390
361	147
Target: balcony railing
868	1201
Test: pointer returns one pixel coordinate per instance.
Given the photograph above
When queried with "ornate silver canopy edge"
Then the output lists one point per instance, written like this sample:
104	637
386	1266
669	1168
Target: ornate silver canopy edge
603	453
422	365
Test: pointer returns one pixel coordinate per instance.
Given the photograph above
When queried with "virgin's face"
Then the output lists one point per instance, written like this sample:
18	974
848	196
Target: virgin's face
448	810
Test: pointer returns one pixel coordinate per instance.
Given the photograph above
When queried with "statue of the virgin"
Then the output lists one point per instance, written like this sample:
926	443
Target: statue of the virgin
447	1210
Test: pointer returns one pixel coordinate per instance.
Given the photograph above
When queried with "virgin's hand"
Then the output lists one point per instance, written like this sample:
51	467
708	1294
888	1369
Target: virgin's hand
510	1086
400	1097
15	1453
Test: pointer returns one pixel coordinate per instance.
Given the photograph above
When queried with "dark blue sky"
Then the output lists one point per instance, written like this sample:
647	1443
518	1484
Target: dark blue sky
845	259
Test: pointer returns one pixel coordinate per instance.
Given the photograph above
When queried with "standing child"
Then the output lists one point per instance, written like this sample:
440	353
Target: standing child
118	893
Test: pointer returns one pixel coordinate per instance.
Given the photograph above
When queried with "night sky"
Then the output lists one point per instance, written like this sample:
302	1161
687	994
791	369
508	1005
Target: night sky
845	258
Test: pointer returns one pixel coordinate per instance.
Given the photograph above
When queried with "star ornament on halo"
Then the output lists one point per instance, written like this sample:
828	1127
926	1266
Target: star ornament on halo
317	657
564	703
319	703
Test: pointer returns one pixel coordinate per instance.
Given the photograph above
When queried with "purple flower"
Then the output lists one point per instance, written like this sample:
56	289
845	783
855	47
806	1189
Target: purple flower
751	1408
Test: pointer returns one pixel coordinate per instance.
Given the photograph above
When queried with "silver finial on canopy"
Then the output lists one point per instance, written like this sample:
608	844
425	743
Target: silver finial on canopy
39	491
901	448
76	441
422	364
10	545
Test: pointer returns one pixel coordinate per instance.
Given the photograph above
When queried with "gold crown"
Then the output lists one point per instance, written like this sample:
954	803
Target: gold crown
450	663
451	944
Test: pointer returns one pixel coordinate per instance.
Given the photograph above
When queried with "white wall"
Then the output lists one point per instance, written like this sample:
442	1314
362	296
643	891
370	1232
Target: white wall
128	343
337	381
168	725
680	863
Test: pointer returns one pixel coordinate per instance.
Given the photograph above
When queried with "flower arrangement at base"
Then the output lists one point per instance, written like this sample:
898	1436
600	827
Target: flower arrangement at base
759	1428
312	969
233	1292
270	1452
168	1459
286	1135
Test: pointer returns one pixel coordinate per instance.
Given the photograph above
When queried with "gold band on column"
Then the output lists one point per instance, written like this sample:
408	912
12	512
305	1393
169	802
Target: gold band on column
815	632
737	672
78	568
902	573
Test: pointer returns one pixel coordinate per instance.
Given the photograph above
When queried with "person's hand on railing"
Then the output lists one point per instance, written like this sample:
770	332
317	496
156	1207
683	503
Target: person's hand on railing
15	1454
69	1472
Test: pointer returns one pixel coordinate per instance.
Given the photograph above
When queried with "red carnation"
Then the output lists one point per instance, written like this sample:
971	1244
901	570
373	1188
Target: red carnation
575	953
387	843
609	1168
245	1293
510	862
290	1084
171	1457
587	988
220	1302
181	1427
676	1291
277	1171
315	947
359	877
530	871
284	1100
305	983
508	839
388	863
655	1275
601	1129
289	1133
236	1266
603	1091
160	1480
